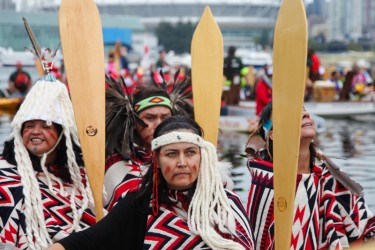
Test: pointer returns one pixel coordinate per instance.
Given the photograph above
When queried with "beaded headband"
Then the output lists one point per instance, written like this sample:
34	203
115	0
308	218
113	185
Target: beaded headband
151	102
176	137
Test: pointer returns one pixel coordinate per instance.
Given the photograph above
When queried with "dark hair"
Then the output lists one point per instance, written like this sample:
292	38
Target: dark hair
231	51
170	124
61	157
266	115
143	92
177	122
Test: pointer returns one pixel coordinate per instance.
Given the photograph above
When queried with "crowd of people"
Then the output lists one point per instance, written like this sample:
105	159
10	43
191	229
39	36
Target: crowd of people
164	185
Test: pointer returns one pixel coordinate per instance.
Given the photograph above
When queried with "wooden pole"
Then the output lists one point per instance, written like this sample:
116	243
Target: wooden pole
207	59
289	75
82	45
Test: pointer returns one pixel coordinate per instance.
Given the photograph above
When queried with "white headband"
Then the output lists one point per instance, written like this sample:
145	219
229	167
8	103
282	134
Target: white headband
176	137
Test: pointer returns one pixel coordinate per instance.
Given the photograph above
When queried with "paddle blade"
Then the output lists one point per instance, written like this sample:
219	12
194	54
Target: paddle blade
207	58
290	52
82	45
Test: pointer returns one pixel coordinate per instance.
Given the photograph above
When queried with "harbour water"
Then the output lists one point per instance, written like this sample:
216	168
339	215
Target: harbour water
349	142
352	141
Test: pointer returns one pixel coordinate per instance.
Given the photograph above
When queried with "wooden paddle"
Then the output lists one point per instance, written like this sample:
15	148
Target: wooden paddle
207	74
289	67
82	44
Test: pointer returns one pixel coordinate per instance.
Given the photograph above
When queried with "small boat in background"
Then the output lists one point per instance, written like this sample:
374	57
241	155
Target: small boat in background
242	119
10	105
238	123
325	109
9	57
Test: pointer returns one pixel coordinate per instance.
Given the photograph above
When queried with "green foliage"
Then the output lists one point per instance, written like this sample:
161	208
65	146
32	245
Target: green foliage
175	37
317	46
264	39
355	46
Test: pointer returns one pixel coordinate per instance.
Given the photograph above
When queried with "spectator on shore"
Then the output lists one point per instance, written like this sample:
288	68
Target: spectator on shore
19	82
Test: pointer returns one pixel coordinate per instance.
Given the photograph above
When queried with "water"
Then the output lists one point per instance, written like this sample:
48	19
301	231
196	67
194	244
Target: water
353	141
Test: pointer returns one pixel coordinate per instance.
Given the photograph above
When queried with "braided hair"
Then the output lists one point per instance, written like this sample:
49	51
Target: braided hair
209	207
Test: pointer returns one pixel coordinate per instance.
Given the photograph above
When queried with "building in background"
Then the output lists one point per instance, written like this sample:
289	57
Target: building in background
7	5
45	27
343	21
240	21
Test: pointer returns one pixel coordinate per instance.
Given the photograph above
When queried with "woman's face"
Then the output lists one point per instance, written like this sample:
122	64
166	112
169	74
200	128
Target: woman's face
152	117
307	126
38	137
179	164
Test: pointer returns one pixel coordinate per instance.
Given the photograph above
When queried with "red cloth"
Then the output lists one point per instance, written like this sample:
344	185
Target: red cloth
315	64
263	94
326	214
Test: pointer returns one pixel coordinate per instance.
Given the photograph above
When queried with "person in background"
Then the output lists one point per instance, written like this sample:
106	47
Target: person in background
263	89
161	63
19	82
130	124
123	59
43	186
328	213
313	63
233	72
335	79
183	185
361	79
110	67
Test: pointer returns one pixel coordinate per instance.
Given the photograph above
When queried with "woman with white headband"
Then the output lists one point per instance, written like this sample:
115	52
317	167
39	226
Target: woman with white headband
181	204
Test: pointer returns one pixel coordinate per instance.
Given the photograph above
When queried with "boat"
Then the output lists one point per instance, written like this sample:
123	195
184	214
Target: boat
325	109
9	57
10	105
238	123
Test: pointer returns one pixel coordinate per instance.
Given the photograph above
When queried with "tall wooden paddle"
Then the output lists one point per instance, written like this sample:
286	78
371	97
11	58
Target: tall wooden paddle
207	60
82	44
289	59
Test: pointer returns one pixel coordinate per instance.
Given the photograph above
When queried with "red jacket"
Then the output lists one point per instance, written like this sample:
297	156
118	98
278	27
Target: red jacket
263	94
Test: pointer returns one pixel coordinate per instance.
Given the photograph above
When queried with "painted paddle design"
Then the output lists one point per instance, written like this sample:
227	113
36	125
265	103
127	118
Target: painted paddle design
207	59
289	67
82	45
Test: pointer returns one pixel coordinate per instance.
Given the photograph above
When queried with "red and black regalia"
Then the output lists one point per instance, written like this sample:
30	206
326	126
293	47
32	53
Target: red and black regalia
167	230
122	176
56	207
326	214
126	158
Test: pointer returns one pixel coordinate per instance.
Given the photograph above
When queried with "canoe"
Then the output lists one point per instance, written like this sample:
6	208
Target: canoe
325	109
10	104
238	123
